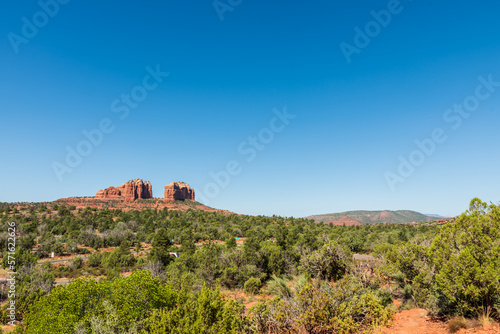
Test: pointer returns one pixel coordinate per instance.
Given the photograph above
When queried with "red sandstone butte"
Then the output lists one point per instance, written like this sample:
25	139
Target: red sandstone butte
178	191
131	190
110	192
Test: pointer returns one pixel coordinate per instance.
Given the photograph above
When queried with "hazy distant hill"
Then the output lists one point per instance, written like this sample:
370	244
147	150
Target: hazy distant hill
373	217
435	216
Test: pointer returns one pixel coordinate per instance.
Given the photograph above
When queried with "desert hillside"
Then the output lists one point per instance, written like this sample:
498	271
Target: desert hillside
373	217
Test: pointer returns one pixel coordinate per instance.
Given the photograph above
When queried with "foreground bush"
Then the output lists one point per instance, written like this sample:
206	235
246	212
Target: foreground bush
136	304
205	313
86	301
466	256
343	308
458	271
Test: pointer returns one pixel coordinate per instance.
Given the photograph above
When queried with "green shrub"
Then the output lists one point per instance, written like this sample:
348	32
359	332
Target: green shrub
20	258
85	299
345	308
231	243
207	313
118	258
279	286
458	271
94	260
330	262
465	255
76	263
320	307
253	285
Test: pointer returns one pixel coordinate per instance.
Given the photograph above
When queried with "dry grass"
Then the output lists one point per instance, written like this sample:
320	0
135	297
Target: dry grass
484	316
457	323
473	323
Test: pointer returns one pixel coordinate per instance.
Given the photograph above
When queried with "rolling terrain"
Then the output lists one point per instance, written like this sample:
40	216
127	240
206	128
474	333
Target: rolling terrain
351	218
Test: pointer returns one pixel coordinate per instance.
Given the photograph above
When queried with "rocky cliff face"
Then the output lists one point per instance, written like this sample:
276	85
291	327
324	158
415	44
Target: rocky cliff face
131	190
178	191
110	192
136	189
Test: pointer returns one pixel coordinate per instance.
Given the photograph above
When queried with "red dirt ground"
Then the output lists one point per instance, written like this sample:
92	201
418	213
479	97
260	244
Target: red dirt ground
416	321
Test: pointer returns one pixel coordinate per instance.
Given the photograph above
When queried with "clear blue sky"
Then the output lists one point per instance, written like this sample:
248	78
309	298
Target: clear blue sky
353	120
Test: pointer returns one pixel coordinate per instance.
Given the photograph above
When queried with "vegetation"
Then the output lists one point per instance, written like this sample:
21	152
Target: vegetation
186	266
457	272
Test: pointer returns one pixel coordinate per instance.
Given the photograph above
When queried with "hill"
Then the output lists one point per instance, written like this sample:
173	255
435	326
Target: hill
138	195
372	217
140	204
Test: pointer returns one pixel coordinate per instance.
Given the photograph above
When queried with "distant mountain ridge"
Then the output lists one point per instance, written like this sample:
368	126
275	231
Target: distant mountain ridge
373	217
435	216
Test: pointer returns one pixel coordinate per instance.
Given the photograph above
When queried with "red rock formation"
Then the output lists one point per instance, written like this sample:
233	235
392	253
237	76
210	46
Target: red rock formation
178	191
345	221
135	189
110	192
131	190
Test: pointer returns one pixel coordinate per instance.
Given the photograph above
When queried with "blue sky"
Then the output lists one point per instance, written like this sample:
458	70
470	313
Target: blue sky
352	121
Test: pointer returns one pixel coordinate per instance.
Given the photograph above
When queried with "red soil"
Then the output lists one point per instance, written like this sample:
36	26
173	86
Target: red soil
416	321
345	221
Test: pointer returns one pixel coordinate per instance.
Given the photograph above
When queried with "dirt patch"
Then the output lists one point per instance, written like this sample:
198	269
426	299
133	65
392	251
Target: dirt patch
240	296
363	257
417	321
8	328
